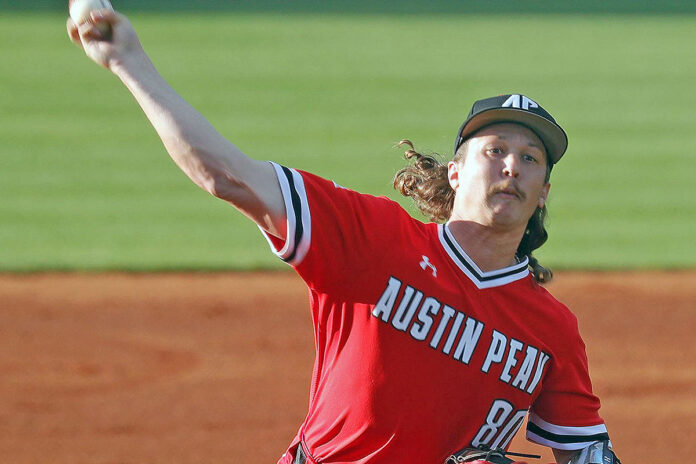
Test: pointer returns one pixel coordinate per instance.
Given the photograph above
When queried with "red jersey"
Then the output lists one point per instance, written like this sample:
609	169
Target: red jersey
419	353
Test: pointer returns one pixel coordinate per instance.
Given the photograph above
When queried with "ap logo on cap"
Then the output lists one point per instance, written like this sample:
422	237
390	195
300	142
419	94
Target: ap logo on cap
520	101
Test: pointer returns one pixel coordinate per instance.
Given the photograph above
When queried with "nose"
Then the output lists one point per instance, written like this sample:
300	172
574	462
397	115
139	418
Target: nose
511	166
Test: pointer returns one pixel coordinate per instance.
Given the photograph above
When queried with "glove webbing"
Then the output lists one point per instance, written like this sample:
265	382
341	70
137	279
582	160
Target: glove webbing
495	456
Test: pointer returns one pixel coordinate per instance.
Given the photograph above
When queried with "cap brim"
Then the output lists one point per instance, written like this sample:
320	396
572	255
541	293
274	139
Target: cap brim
552	135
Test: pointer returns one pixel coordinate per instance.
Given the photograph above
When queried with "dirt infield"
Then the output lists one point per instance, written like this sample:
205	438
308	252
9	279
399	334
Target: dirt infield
212	368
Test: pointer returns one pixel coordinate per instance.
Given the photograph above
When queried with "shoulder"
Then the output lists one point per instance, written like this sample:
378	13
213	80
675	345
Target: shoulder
562	313
371	210
559	322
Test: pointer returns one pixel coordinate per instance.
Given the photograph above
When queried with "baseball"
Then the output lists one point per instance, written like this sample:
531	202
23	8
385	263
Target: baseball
80	10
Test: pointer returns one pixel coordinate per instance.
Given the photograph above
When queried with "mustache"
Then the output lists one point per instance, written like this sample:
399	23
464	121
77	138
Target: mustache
511	187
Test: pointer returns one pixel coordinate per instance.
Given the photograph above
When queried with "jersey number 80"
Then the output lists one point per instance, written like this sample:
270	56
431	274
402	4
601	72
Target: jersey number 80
502	422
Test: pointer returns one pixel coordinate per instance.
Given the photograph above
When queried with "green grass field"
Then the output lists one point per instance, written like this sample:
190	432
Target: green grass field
85	183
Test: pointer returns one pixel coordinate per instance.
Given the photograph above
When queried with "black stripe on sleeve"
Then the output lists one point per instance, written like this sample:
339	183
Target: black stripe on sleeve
565	438
297	211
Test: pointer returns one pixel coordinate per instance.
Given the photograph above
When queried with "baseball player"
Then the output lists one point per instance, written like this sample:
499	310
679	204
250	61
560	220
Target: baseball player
430	337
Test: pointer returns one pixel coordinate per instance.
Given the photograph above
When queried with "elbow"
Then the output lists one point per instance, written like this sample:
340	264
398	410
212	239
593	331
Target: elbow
208	170
215	184
224	186
214	177
222	177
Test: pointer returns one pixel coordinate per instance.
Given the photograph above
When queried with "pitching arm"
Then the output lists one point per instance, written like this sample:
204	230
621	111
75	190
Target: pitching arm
206	157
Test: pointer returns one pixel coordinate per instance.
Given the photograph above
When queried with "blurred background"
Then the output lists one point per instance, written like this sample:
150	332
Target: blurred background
330	87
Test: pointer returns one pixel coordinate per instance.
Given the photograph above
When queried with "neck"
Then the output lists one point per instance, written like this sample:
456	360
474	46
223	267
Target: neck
490	249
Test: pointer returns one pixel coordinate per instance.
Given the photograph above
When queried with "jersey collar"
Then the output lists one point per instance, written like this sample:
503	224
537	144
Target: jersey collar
468	266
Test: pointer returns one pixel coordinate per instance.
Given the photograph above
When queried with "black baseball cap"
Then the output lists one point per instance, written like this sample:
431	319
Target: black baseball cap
517	109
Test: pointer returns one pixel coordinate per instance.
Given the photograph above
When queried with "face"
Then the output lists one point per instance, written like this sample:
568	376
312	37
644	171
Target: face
501	178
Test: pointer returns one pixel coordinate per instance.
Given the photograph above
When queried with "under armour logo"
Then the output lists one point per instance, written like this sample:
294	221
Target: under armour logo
426	263
520	101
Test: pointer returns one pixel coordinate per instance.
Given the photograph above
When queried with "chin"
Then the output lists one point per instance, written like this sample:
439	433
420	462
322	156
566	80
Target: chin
507	219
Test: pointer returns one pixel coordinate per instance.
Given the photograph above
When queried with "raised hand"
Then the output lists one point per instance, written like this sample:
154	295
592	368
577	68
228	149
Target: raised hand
118	47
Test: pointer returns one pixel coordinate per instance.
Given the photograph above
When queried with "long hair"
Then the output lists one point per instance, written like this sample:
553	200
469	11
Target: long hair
427	184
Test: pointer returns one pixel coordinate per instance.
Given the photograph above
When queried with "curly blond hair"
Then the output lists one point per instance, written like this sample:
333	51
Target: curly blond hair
426	183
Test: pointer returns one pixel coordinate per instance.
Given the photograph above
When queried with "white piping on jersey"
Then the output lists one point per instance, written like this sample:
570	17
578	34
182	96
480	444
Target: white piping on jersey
306	238
565	437
567	430
298	222
533	437
480	278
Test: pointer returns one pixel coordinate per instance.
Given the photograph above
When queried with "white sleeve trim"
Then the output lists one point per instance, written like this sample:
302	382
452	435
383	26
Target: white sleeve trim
298	219
563	437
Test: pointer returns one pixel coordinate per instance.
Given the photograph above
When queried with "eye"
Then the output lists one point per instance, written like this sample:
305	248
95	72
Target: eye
494	151
529	158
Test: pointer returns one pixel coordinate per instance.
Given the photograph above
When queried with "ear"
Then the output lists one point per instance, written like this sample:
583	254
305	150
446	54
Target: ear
544	195
453	174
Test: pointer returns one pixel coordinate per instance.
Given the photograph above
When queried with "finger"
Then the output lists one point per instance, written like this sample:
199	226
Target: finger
73	32
106	20
89	32
105	15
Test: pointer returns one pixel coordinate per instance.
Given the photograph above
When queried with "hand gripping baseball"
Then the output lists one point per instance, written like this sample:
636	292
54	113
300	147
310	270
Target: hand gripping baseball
122	46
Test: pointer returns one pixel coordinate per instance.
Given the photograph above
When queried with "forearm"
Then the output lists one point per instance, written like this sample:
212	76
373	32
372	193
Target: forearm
201	152
210	160
599	452
563	456
196	147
